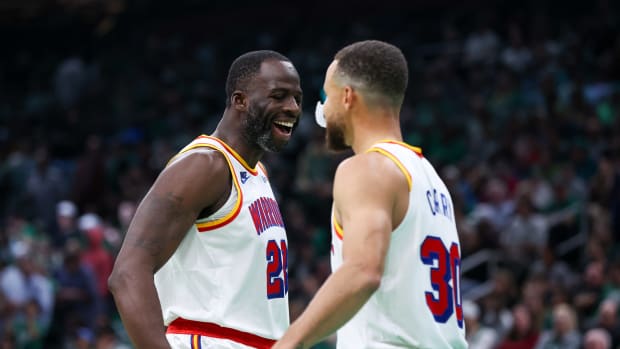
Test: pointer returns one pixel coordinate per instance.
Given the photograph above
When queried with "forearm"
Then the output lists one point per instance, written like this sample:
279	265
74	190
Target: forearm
341	296
137	302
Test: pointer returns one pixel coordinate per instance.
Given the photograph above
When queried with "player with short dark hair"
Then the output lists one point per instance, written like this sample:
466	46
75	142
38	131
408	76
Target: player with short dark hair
204	261
395	248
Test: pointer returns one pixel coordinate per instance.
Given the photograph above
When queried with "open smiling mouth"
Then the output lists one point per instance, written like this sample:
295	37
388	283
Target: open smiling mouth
285	127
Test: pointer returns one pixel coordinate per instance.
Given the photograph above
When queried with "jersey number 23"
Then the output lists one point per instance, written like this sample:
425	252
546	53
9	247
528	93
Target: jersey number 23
277	269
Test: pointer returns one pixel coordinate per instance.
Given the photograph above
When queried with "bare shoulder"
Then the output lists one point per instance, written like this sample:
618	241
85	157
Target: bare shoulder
368	169
194	180
191	182
198	160
370	184
368	176
199	166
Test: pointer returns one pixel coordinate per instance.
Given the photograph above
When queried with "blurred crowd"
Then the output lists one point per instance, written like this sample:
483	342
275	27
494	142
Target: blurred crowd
518	110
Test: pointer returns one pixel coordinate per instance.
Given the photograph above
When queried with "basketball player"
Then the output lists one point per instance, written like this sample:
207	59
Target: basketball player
207	246
395	248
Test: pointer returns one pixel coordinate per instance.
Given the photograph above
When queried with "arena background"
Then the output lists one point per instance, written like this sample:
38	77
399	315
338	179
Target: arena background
516	103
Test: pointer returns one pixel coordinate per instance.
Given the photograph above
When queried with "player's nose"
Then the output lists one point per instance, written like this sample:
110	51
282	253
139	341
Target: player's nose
292	105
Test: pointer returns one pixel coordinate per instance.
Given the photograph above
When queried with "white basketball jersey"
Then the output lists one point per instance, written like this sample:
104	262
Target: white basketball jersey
231	268
418	304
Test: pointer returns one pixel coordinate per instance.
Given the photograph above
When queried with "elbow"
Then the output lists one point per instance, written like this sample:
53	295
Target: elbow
128	274
113	282
374	282
364	278
371	280
117	281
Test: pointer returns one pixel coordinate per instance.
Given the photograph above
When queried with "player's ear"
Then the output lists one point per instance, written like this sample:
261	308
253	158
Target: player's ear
239	101
348	97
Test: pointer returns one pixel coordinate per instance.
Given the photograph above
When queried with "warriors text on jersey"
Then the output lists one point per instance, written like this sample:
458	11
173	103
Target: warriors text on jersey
418	304
228	277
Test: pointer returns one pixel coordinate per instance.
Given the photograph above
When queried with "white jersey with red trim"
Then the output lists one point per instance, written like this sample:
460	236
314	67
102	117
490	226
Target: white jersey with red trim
418	304
231	268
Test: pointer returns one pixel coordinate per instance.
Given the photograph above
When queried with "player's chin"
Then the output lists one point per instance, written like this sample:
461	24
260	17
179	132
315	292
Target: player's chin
275	145
335	141
279	139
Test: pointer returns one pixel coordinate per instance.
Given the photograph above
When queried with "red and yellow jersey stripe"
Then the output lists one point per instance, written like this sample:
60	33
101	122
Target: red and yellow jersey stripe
260	164
416	150
337	227
210	225
232	152
198	329
195	339
396	161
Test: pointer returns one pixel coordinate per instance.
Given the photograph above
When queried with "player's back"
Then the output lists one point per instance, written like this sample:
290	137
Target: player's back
418	304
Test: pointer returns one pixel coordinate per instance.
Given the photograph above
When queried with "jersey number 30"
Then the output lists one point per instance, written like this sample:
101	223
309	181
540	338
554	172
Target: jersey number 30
277	269
445	264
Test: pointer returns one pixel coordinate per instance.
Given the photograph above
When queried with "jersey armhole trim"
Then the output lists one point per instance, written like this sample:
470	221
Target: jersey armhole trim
337	227
262	167
396	161
230	216
232	152
416	150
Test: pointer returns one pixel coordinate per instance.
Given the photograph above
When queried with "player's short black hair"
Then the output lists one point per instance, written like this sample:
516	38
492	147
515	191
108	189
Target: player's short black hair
245	67
377	67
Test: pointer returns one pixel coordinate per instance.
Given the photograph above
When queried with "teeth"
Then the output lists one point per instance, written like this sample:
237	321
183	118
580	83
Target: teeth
284	123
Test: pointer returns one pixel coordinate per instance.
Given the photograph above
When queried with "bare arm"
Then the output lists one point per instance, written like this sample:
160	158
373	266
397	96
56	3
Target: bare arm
365	197
180	193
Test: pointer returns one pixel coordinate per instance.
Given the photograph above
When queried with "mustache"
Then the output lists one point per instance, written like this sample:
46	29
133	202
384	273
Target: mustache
257	114
287	114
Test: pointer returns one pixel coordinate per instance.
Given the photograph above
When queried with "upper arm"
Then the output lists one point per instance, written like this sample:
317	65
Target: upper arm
182	190
366	193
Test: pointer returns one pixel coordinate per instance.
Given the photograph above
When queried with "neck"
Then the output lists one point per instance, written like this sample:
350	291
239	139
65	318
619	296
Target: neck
230	132
374	126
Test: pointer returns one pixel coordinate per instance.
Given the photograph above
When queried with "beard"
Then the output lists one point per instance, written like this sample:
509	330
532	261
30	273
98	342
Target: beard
257	130
334	136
